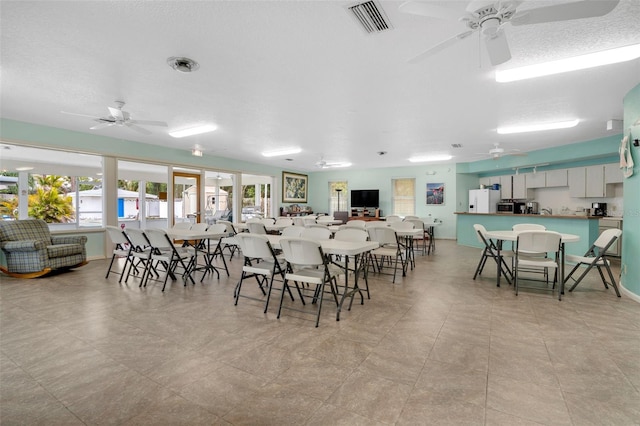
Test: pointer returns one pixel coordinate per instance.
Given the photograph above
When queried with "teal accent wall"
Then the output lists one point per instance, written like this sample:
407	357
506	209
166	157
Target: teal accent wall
586	229
631	193
596	151
381	179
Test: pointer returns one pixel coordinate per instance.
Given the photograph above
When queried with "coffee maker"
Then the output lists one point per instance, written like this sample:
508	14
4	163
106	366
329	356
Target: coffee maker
532	207
599	209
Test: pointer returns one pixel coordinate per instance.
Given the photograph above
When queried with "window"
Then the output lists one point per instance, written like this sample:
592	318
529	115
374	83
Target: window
142	181
338	197
404	196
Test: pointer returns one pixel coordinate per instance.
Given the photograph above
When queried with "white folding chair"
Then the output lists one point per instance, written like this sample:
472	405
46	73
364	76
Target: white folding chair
122	249
357	223
422	238
537	242
300	251
284	221
256	228
165	253
140	255
391	249
229	243
292	231
393	218
316	234
490	250
261	263
596	256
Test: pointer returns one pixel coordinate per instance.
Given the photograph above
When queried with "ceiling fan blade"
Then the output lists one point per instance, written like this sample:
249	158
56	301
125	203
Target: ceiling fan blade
430	10
565	12
148	123
438	47
138	129
498	48
117	113
102	125
79	115
518	154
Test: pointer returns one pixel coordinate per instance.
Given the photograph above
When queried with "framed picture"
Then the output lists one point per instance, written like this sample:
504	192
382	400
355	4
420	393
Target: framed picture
294	188
435	194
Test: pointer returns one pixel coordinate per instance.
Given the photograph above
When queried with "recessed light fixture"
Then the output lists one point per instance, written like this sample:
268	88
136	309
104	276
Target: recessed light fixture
538	127
591	60
24	168
283	151
426	158
182	64
198	130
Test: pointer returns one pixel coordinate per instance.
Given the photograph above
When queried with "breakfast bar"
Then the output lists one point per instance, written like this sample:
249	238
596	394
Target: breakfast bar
586	227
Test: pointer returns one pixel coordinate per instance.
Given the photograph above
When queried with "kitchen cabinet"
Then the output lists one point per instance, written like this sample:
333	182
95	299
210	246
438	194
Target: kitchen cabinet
536	180
577	179
607	223
595	181
488	181
612	173
587	182
555	178
506	187
519	188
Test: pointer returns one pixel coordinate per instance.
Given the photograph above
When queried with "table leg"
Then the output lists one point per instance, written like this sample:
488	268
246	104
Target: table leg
346	285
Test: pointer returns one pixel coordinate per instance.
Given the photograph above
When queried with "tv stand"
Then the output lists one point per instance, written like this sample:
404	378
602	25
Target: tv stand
365	213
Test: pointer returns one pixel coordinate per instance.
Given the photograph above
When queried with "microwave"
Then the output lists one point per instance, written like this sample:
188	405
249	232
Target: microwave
510	207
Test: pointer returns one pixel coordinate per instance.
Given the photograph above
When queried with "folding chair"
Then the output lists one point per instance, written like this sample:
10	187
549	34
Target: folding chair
596	256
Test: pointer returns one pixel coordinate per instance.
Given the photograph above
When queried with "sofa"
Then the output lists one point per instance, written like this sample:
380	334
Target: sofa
31	251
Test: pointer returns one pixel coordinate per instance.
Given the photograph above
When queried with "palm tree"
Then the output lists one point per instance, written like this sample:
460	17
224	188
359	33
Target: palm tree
51	206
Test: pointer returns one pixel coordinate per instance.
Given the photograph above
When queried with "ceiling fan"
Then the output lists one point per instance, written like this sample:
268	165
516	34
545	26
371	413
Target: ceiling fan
489	17
325	165
496	152
118	117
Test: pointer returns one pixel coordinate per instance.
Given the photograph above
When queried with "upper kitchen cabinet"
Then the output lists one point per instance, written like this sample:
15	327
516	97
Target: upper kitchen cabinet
612	173
519	188
506	187
488	181
536	180
587	182
556	178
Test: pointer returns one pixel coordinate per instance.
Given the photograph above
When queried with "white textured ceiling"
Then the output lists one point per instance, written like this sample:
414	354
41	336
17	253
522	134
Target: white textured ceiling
277	74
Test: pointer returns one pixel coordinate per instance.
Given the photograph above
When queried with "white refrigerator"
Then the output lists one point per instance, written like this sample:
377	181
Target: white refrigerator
483	200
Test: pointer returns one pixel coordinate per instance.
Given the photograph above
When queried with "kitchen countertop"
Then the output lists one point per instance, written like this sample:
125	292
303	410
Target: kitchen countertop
554	216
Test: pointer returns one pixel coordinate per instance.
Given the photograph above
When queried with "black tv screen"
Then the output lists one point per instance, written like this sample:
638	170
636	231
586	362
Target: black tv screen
365	198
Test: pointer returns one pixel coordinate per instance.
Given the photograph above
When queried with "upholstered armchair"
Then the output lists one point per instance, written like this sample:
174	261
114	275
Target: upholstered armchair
30	250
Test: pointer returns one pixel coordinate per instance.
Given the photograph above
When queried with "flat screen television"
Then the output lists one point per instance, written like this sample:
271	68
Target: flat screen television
365	198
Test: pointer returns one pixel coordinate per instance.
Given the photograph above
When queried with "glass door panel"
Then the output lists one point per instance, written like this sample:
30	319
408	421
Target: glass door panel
186	197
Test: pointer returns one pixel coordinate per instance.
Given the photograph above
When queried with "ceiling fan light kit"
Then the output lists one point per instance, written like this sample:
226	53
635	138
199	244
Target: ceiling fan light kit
538	127
191	131
591	60
196	152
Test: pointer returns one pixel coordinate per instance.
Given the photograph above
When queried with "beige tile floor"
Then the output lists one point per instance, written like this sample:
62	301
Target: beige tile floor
435	348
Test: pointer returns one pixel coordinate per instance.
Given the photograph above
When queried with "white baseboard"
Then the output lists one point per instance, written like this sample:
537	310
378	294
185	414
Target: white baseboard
628	293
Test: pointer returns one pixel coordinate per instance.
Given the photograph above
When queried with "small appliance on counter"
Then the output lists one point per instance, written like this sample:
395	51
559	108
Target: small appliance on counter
511	207
599	209
532	207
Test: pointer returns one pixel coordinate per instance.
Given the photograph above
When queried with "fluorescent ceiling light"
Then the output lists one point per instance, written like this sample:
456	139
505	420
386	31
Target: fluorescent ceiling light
538	127
193	131
591	60
425	158
283	151
24	168
336	165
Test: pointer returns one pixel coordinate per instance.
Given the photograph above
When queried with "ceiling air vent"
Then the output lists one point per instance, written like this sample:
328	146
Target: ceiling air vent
371	17
456	145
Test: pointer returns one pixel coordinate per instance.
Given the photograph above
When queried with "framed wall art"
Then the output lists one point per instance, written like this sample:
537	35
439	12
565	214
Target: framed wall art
435	194
294	188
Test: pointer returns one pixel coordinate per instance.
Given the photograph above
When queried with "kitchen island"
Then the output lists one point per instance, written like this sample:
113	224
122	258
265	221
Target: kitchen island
586	227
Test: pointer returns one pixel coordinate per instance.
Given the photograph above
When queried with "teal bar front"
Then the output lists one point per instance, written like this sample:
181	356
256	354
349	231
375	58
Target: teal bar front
586	227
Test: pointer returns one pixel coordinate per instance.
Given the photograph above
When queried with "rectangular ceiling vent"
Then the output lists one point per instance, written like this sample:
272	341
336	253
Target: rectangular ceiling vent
456	145
371	17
